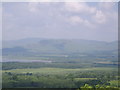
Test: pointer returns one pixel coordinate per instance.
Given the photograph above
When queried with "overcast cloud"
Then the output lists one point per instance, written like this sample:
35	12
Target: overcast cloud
67	20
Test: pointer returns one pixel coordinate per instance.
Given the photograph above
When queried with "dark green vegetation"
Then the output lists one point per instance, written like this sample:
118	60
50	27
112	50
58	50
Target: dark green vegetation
60	78
69	64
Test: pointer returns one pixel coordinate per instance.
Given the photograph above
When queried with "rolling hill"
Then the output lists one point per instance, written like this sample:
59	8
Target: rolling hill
58	46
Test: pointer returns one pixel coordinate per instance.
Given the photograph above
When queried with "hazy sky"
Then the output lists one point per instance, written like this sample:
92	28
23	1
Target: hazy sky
67	20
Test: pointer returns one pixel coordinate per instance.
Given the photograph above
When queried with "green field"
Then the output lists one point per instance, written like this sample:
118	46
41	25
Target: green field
59	70
60	77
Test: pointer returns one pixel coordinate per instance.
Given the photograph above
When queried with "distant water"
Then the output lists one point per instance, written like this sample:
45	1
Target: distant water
18	60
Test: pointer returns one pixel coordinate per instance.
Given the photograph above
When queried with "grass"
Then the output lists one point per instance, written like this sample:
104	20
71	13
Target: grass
58	70
114	83
84	79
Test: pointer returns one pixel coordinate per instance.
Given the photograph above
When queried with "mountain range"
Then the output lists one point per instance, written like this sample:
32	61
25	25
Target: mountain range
40	45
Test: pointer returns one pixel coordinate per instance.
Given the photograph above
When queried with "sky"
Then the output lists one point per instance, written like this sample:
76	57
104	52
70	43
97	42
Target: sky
60	20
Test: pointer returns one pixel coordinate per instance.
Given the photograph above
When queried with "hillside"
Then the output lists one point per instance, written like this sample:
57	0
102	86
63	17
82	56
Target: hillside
58	46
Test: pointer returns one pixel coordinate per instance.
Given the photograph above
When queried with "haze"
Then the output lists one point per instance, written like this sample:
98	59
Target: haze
91	21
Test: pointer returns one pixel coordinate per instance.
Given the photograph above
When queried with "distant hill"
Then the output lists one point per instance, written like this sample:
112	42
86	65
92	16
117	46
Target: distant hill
38	45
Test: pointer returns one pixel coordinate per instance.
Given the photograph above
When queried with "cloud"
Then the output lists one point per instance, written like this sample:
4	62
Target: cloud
100	14
106	5
89	24
106	13
60	20
80	12
36	6
77	20
109	0
79	7
33	6
100	17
